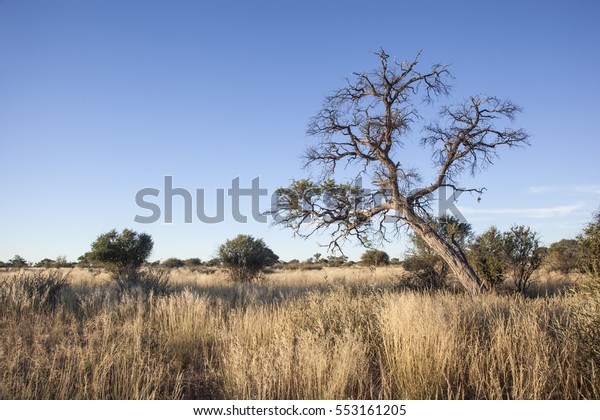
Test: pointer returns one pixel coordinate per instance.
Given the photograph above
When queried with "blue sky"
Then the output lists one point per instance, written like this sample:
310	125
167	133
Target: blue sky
99	99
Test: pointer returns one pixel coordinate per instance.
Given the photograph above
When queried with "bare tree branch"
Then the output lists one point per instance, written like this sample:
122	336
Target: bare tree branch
369	121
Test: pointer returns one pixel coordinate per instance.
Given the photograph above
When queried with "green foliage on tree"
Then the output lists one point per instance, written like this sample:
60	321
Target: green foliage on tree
524	255
374	258
123	254
18	262
487	256
244	257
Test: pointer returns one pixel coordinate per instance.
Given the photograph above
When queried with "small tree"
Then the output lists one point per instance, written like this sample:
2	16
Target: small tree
523	255
374	258
122	254
244	257
18	262
371	122
487	256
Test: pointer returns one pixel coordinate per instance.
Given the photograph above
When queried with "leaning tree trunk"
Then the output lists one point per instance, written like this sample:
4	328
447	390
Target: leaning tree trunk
456	260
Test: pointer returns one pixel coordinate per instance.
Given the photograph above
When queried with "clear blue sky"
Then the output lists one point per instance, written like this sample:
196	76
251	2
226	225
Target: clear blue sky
99	99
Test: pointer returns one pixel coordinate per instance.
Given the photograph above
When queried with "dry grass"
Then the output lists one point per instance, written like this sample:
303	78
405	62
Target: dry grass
325	334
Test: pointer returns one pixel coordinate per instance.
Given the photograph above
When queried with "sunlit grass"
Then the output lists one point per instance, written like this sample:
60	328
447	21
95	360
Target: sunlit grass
322	334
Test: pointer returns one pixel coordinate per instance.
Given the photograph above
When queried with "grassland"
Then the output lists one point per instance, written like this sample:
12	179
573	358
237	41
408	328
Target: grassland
323	334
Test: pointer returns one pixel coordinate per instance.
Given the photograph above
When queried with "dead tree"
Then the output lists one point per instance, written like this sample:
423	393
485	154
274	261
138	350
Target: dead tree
369	122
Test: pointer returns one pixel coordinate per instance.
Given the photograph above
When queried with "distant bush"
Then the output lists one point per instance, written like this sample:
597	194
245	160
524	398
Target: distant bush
192	262
173	263
213	262
46	263
374	258
244	257
18	262
335	261
60	262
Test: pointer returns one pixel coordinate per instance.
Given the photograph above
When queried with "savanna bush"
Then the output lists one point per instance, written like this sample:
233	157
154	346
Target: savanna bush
244	257
374	258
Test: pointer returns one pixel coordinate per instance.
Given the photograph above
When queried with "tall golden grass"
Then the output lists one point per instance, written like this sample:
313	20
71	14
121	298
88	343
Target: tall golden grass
325	334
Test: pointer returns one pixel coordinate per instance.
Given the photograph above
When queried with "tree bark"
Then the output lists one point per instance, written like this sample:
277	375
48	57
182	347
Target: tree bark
454	258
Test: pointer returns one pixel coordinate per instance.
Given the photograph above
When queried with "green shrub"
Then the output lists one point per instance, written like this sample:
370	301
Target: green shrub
18	262
487	257
523	255
192	262
374	258
173	263
244	257
122	254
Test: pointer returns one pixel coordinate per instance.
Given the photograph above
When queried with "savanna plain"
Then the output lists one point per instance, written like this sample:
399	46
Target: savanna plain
328	333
